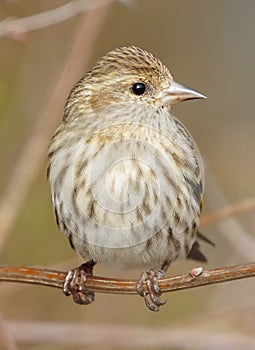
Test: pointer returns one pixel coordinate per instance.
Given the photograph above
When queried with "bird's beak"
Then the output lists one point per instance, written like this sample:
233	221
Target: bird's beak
178	93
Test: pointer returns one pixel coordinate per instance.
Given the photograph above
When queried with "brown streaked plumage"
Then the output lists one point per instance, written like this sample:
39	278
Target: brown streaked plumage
126	176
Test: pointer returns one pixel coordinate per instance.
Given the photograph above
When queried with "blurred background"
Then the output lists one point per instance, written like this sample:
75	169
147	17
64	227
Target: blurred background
207	45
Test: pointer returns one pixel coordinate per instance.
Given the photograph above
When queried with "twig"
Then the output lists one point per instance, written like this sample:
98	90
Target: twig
128	336
244	206
7	340
237	236
11	26
55	279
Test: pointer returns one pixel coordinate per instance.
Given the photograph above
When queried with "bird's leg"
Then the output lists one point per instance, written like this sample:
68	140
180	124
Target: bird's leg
74	283
152	293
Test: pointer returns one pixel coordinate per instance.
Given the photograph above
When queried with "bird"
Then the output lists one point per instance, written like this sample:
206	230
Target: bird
126	176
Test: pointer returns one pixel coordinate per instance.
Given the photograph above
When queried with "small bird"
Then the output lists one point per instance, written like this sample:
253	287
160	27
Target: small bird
126	177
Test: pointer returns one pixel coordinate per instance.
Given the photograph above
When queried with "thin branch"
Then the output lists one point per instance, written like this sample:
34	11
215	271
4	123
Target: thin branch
97	284
237	236
127	336
10	26
244	206
7	340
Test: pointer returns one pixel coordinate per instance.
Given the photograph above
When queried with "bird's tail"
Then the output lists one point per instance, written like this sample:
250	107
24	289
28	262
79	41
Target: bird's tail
195	252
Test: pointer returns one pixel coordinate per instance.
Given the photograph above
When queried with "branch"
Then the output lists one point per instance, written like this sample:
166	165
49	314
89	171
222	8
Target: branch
97	284
243	206
7	340
236	235
11	26
109	336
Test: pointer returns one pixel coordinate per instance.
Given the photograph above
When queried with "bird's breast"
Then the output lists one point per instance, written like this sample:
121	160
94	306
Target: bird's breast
124	184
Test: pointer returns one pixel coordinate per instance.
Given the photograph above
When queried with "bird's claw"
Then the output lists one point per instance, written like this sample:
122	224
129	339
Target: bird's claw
152	293
74	284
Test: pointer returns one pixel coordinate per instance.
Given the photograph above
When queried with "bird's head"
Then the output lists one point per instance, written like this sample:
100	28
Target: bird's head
133	74
130	76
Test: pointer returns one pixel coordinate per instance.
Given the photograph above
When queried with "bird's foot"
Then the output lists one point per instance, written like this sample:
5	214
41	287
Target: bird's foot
152	293
74	283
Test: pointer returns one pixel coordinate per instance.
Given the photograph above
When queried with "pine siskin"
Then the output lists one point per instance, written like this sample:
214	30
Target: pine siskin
126	176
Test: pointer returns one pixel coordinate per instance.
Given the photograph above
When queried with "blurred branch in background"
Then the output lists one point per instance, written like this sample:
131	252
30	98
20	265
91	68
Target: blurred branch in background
241	241
128	336
7	341
243	206
16	28
35	148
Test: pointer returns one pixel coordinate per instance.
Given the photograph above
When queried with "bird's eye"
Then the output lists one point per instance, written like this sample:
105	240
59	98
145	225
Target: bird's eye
138	88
